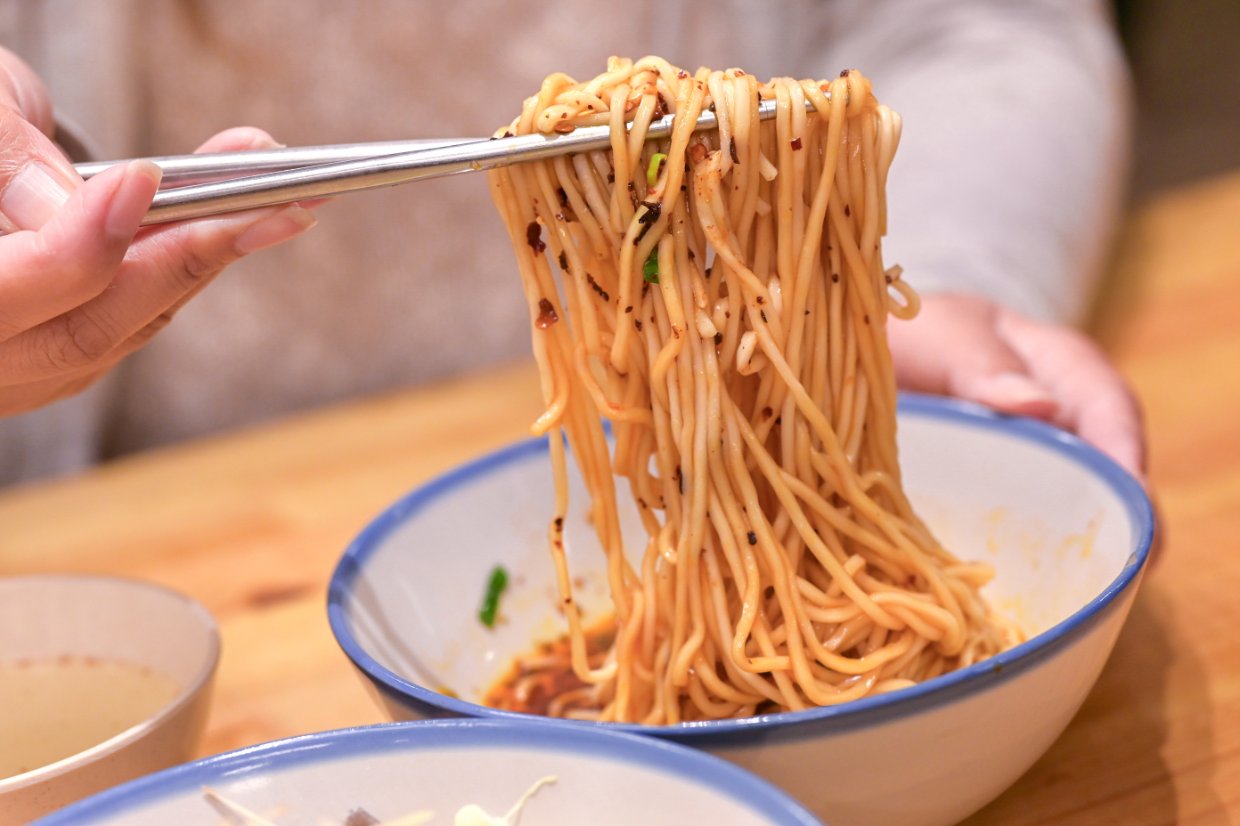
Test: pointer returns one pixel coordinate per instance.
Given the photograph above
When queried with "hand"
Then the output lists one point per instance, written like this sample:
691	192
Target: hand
974	349
81	286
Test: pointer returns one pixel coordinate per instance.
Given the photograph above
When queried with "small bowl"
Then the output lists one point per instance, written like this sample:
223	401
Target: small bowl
390	770
106	621
1066	529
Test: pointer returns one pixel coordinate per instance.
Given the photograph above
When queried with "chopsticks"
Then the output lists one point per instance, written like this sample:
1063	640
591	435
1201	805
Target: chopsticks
180	170
306	173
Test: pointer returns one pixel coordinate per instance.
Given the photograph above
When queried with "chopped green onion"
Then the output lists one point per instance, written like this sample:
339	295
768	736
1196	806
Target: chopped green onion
656	166
496	584
650	270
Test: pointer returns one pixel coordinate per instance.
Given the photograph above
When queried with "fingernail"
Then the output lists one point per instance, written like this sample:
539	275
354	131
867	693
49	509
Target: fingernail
274	229
132	199
32	197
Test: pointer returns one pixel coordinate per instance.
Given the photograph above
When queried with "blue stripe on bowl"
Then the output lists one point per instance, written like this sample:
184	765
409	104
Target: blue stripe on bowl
695	767
872	710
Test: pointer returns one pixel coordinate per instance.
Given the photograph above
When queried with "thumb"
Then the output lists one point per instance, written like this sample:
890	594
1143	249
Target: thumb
35	177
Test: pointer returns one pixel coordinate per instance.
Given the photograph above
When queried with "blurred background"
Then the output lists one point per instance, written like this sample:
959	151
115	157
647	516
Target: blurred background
1185	59
147	77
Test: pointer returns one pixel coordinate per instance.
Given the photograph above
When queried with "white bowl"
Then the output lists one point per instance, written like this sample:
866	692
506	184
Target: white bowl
43	618
1067	530
601	778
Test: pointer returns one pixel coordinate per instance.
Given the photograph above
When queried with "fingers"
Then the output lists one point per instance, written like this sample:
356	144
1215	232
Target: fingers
973	349
1111	419
952	348
35	177
1009	389
61	385
161	272
80	285
171	265
22	89
27	397
73	257
1095	401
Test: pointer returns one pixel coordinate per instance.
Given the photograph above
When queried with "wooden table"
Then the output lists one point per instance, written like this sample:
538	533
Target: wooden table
251	525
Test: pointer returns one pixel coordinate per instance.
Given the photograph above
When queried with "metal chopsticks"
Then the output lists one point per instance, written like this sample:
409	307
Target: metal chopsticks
354	167
180	170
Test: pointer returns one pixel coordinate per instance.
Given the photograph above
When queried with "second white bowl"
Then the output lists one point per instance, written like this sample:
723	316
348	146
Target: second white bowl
601	778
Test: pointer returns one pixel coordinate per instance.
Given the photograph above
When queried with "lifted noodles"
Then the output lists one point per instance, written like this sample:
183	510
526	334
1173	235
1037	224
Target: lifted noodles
725	307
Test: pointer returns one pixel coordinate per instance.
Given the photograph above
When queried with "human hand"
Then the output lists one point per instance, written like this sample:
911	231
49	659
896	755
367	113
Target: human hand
972	348
81	285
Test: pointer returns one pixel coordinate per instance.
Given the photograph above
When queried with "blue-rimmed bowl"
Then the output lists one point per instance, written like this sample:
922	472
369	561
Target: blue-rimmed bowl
601	777
1066	529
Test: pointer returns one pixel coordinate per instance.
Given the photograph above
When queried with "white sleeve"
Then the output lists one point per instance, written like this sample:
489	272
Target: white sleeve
1009	177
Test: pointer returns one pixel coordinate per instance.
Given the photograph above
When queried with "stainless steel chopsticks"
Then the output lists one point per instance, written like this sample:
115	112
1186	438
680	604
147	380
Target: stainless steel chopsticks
180	170
377	170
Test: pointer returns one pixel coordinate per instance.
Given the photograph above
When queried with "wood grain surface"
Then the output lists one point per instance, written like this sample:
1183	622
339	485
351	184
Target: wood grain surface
252	523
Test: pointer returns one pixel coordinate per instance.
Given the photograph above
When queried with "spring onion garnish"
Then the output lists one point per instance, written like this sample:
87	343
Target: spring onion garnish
655	167
496	583
650	270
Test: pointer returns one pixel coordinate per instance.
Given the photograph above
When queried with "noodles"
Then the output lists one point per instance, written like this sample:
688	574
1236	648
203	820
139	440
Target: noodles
725	307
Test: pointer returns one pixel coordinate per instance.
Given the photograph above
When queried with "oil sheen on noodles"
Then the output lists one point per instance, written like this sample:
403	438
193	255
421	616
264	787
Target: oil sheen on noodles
721	298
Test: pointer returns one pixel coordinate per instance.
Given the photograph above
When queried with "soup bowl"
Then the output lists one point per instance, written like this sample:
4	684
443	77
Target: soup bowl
440	766
136	655
1067	531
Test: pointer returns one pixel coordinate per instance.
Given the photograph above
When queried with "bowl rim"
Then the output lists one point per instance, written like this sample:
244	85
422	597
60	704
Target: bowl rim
867	711
692	765
121	740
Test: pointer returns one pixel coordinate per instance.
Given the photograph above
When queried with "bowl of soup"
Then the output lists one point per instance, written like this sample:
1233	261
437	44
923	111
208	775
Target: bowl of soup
1066	531
102	680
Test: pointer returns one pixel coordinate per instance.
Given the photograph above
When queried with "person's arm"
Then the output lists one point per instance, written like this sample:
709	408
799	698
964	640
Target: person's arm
81	286
1003	198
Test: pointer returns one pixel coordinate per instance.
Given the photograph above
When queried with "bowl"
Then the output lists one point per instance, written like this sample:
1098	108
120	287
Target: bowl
601	777
111	679
1067	531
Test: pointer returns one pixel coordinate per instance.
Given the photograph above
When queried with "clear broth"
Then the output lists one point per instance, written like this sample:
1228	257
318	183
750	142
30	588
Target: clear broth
53	709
